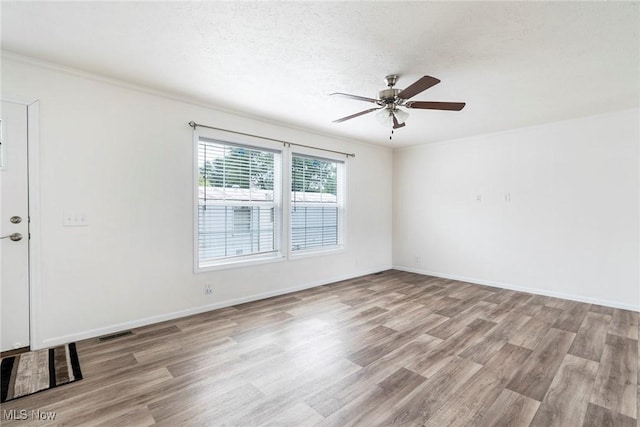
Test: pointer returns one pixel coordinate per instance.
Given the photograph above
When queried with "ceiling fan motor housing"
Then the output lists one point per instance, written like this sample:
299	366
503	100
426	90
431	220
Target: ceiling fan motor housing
388	96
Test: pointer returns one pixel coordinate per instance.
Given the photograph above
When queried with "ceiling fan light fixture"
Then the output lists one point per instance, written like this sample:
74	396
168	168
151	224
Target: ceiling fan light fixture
385	118
401	115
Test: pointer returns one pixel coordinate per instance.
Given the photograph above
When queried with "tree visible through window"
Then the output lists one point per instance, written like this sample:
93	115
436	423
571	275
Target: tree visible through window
237	212
315	204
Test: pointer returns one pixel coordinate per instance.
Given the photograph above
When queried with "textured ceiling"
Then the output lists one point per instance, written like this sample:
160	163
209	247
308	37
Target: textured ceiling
515	63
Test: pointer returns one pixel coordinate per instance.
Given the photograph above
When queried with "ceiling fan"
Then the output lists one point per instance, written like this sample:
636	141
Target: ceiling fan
390	99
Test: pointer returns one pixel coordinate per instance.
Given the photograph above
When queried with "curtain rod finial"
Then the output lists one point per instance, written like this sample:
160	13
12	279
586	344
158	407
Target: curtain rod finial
192	124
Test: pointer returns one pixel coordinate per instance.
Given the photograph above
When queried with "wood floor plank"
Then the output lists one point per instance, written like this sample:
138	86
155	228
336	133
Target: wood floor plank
400	303
566	402
207	408
537	373
624	323
510	409
601	309
273	382
511	304
437	303
139	416
457	307
501	297
333	398
370	407
597	416
532	307
365	356
532	332
229	362
214	324
431	362
90	369
451	325
475	397
297	415
363	322
484	350
282	396
590	339
364	338
198	345
572	318
615	386
330	399
407	316
431	395
394	348
471	292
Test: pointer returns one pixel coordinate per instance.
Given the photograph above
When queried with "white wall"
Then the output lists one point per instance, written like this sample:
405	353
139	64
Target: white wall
571	228
124	157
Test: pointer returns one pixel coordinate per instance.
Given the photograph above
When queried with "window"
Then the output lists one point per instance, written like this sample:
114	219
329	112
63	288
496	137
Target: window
238	203
316	203
242	186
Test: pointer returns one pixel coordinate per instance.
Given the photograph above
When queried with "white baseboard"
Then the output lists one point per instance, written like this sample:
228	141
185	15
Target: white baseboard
579	298
92	333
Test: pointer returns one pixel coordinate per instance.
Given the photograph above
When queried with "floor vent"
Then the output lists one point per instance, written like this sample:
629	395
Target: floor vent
115	336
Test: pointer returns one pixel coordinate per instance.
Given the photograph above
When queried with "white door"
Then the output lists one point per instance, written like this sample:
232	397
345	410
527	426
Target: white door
14	227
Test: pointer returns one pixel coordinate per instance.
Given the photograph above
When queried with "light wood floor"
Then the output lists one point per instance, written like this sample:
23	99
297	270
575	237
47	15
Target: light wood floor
385	349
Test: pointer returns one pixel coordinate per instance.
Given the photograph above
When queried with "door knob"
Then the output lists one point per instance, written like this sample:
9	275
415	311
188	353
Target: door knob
15	237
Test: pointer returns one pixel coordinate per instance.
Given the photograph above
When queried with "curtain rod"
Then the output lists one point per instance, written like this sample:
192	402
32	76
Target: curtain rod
194	125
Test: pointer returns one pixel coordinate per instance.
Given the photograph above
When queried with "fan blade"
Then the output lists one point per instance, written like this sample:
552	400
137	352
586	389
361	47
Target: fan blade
356	97
355	115
428	105
422	84
397	125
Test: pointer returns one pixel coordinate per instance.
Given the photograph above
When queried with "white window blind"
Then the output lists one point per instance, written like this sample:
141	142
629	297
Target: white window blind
316	207
238	212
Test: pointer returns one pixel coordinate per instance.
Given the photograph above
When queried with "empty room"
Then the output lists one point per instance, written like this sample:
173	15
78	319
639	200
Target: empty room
320	213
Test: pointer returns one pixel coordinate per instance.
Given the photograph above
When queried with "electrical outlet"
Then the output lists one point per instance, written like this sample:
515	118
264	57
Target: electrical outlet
208	289
418	260
75	219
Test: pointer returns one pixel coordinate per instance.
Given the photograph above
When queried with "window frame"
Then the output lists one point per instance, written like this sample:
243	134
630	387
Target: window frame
341	186
282	200
234	261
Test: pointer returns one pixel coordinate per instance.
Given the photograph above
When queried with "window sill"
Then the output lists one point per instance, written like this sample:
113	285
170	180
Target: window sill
317	252
226	264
